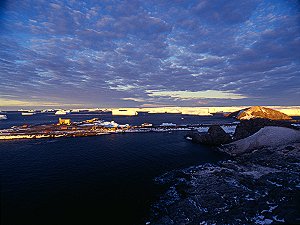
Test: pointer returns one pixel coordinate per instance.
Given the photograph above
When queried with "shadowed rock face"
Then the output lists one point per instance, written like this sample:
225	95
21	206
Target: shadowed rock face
261	187
259	112
215	136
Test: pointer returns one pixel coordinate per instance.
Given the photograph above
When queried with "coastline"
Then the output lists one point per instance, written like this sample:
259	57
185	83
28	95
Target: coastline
258	184
73	130
260	187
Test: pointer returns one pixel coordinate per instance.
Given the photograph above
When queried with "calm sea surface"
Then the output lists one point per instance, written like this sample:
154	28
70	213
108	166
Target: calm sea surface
92	180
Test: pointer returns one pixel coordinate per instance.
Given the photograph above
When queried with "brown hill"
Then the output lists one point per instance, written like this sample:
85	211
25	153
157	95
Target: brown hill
259	112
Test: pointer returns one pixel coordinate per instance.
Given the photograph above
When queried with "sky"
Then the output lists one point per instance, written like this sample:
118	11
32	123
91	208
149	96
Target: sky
93	53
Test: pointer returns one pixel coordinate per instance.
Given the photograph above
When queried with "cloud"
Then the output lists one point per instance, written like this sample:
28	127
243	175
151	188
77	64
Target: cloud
187	95
4	102
111	53
231	12
134	99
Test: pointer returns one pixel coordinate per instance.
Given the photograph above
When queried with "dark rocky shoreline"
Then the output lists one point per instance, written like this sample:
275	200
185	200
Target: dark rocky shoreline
258	184
261	187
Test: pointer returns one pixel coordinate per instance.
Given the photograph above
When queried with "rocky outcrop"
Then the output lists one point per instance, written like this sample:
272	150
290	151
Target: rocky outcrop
260	187
259	112
215	136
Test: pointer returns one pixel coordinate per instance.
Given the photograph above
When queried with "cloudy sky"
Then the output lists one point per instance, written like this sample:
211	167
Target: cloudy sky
132	53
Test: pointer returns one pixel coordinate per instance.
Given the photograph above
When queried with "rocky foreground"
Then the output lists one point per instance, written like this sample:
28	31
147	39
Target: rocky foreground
260	185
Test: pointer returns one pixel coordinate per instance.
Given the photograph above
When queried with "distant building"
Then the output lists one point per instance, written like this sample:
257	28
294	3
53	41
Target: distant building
168	125
147	125
64	127
64	121
91	120
124	125
111	124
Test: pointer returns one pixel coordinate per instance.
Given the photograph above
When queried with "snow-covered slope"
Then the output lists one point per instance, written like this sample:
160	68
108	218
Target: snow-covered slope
265	137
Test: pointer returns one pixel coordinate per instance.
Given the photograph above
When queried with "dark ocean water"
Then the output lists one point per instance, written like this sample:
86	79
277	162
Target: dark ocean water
92	180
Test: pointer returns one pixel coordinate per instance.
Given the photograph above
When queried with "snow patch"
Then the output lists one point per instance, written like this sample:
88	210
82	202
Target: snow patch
261	220
203	129
226	128
278	220
229	129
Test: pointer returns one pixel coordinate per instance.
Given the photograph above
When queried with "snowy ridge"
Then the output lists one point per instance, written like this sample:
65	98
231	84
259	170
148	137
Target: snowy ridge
266	137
